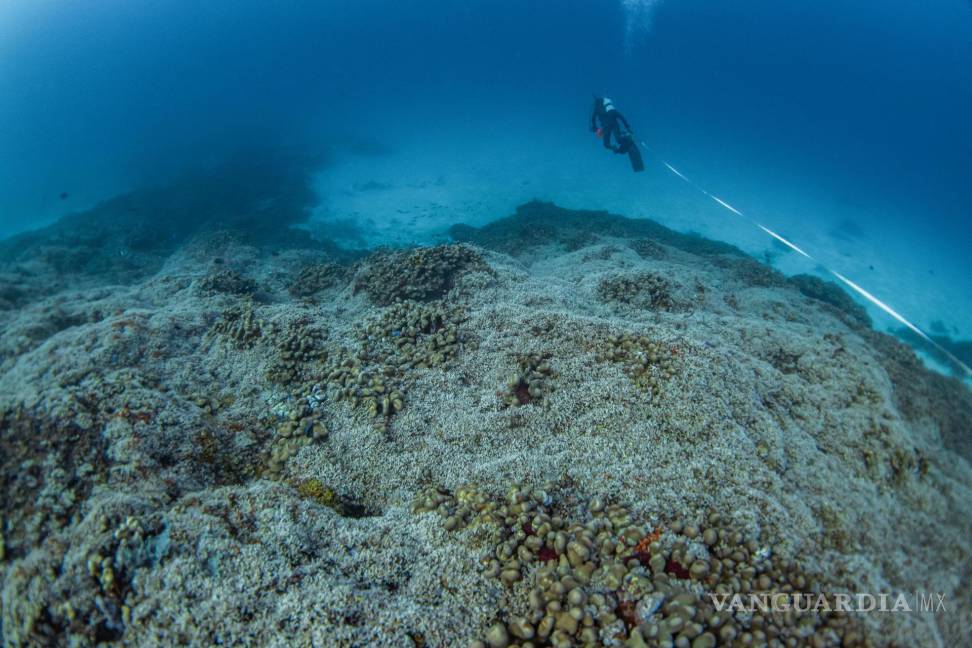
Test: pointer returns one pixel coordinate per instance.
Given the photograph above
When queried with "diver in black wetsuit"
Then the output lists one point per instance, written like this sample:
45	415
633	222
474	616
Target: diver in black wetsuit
610	119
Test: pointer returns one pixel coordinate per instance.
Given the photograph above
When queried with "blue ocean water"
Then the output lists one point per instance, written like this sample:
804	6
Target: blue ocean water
843	126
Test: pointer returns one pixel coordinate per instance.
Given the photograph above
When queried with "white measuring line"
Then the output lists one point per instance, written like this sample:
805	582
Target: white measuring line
856	288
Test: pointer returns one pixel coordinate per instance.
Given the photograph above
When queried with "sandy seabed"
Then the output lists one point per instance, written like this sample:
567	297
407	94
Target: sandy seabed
242	444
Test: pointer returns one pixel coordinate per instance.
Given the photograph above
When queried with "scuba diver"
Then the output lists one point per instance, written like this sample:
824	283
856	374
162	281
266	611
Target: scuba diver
609	116
613	124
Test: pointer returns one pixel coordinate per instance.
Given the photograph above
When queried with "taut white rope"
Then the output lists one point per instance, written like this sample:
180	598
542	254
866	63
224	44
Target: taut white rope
855	287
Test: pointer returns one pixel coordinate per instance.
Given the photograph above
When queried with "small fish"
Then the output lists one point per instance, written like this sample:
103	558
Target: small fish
64	195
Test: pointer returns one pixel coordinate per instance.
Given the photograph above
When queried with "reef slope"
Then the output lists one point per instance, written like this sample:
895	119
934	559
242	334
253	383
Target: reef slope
277	445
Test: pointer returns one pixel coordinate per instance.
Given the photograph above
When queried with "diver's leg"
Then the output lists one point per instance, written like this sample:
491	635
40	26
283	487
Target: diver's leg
621	142
609	130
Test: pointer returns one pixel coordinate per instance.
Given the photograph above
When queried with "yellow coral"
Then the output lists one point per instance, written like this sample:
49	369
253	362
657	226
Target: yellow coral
316	490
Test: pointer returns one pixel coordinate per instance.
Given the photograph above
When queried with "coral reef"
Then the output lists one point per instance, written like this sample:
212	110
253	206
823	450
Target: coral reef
751	272
299	429
317	278
257	197
648	249
532	382
594	574
405	337
423	274
225	463
315	490
648	363
11	296
49	469
961	350
227	281
253	199
539	223
220	467
926	398
239	325
645	290
299	346
830	293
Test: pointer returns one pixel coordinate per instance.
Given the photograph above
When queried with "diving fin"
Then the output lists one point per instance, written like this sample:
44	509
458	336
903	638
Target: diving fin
629	146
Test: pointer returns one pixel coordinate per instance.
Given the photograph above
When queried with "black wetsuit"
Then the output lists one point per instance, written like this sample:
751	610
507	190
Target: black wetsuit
610	119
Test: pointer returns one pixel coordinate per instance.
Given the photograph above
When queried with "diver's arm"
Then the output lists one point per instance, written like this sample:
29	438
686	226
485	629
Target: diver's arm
593	120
